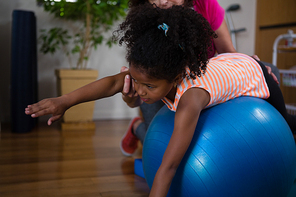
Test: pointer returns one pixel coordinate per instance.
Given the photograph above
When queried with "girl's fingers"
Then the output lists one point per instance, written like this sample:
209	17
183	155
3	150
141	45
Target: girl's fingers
39	109
126	85
30	110
53	119
123	69
40	113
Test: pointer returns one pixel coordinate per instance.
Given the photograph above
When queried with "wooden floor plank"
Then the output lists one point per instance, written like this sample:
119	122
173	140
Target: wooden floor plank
51	162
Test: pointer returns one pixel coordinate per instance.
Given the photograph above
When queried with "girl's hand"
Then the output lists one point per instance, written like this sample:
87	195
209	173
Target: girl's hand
55	106
129	95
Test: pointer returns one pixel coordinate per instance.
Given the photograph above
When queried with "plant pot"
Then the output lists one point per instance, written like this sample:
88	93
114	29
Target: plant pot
78	117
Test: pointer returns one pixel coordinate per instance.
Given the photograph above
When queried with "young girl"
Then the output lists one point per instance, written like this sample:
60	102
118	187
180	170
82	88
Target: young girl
214	14
167	51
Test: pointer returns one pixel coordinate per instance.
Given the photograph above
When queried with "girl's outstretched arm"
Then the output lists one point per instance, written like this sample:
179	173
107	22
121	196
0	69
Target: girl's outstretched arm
191	104
101	88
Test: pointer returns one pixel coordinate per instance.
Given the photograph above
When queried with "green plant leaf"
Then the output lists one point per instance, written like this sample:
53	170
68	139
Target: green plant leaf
102	15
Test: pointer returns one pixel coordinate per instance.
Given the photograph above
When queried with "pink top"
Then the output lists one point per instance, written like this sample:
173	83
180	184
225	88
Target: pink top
213	12
228	76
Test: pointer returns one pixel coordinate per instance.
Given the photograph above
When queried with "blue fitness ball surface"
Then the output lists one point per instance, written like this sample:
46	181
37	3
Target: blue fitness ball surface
242	147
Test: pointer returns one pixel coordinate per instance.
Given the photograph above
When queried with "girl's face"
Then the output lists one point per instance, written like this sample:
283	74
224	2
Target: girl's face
151	89
164	4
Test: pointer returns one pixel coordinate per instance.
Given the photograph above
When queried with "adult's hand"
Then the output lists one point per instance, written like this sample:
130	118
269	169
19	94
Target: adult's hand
268	69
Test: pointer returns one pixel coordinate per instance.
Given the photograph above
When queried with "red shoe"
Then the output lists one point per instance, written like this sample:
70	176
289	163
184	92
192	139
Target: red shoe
129	142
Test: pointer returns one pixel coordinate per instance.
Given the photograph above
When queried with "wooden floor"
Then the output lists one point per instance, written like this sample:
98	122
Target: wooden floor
50	162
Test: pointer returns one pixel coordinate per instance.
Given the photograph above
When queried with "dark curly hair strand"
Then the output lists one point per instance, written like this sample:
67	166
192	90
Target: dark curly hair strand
135	3
165	57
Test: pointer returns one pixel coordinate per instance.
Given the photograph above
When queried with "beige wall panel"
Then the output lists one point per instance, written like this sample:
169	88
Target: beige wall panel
273	12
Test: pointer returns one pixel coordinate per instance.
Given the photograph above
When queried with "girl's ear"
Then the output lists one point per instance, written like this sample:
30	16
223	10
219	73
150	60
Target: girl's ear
178	80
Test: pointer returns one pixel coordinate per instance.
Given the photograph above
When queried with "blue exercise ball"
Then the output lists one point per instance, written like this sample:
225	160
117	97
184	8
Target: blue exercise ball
242	147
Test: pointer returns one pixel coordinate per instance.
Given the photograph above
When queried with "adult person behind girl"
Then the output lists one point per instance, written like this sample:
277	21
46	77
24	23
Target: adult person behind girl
168	58
214	14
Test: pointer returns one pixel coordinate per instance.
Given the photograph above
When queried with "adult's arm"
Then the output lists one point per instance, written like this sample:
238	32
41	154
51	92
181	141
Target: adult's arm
223	43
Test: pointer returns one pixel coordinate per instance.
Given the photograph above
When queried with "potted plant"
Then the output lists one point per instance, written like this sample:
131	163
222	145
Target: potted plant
90	19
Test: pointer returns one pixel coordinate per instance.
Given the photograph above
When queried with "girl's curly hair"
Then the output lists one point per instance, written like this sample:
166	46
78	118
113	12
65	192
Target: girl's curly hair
135	3
166	56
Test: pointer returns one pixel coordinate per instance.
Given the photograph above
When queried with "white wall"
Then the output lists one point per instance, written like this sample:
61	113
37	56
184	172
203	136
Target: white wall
106	61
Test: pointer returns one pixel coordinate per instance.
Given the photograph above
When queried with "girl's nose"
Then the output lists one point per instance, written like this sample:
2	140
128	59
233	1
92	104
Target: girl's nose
140	90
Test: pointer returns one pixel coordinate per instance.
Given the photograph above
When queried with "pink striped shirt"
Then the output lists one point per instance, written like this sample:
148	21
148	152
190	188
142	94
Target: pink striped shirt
228	76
